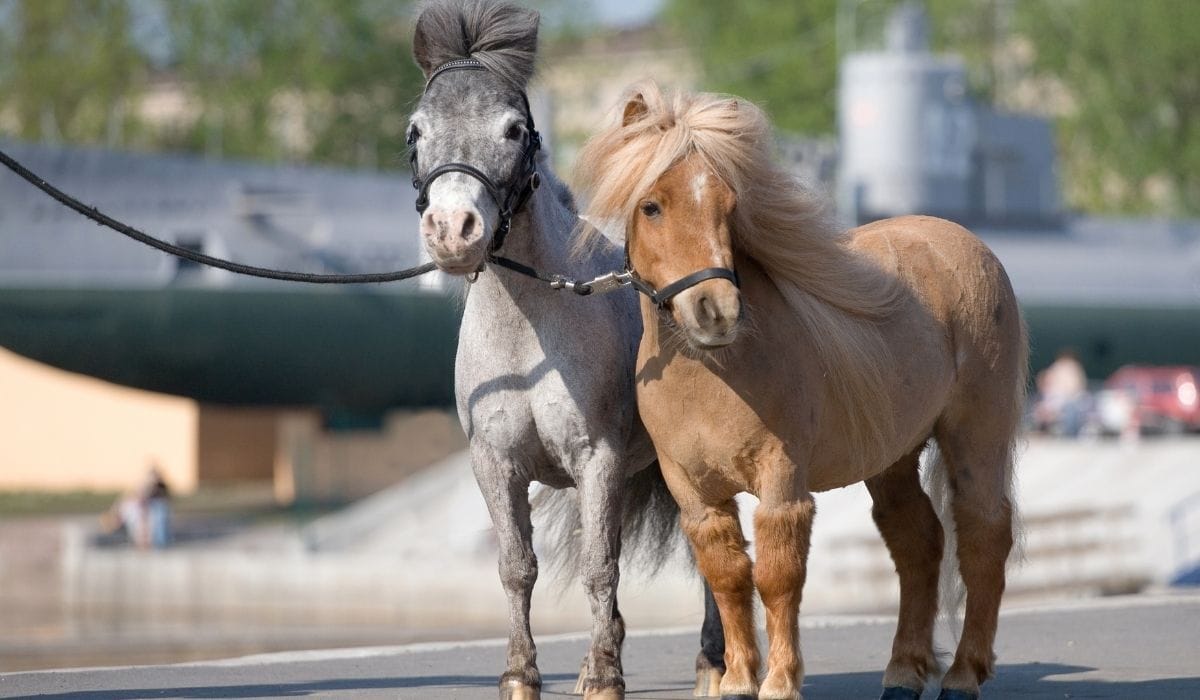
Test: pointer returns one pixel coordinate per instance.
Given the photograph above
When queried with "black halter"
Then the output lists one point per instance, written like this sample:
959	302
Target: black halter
662	297
509	198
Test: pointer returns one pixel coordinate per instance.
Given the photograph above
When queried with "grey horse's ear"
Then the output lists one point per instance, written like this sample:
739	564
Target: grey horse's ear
423	49
635	109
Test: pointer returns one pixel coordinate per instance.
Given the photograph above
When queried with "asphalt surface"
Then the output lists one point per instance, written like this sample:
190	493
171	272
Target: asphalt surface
1138	647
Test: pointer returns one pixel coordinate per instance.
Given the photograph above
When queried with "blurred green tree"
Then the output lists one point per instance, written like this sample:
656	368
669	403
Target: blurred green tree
1130	133
323	80
785	56
69	70
781	55
1123	77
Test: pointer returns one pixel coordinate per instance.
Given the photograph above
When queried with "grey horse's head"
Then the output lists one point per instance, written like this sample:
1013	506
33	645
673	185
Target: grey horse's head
477	118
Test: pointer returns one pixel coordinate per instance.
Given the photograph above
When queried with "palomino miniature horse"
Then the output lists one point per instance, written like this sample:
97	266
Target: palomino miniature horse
837	360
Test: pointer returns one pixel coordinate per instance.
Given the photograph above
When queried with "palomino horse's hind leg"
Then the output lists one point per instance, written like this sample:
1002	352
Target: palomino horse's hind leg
507	500
716	537
782	532
710	662
913	535
983	519
600	507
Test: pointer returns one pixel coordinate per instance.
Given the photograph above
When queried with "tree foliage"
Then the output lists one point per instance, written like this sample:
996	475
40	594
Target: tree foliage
329	80
1130	140
781	55
323	80
68	68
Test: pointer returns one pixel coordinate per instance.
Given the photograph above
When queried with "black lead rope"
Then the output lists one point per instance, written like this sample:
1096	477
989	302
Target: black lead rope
104	220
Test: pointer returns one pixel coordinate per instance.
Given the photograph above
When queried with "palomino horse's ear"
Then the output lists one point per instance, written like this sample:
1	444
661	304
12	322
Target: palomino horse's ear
635	109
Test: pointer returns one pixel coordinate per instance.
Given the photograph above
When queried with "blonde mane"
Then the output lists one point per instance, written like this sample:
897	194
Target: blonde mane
838	295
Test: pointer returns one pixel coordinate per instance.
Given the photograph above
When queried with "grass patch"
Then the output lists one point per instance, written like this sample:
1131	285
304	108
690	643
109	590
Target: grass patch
31	503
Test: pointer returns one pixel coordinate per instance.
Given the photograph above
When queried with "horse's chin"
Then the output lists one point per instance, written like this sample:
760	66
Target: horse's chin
710	343
459	265
460	270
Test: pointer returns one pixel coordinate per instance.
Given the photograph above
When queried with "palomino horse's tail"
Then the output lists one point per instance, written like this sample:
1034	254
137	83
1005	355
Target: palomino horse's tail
649	526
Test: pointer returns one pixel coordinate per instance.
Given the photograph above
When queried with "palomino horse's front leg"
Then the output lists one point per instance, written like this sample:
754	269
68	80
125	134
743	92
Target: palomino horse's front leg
716	537
507	497
782	531
600	506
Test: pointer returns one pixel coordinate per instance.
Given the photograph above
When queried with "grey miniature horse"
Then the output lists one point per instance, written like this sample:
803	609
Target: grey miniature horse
544	378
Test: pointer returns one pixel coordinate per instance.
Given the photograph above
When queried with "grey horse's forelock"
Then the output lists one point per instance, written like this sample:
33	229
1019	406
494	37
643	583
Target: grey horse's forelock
501	36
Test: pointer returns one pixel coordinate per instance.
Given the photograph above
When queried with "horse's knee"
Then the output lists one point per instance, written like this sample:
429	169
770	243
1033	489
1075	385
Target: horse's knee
720	551
782	534
518	573
600	578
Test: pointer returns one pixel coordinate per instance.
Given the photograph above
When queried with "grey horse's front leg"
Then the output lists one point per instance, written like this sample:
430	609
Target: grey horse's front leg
507	496
600	504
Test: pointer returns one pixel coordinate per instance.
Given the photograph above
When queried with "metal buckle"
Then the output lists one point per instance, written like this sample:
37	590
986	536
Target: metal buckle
609	282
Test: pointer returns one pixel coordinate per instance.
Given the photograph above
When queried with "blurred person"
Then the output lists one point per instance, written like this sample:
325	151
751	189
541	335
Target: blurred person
156	499
1062	395
127	515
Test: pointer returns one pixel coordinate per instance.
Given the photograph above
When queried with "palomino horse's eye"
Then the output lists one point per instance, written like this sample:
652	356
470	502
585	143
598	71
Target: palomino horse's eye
650	209
514	133
413	134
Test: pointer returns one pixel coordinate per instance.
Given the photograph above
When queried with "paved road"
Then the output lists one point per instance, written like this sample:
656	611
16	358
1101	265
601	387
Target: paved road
1142	647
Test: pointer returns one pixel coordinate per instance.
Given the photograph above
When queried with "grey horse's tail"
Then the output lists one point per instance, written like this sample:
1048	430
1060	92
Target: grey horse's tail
649	526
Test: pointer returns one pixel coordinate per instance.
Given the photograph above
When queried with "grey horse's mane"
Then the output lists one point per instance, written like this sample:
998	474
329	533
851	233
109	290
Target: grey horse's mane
501	36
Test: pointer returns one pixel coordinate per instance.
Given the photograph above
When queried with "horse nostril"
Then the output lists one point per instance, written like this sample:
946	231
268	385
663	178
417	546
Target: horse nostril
468	225
708	309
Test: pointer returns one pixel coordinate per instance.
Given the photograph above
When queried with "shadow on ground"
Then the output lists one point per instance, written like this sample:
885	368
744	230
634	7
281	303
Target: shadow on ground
1032	680
293	690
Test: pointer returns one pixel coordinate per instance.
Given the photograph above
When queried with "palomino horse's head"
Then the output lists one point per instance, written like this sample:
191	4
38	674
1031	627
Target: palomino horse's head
682	227
472	138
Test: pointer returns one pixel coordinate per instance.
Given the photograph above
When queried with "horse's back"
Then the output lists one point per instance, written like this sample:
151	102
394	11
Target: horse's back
963	286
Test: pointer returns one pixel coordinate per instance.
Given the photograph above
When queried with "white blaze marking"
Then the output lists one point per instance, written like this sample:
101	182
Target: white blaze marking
698	186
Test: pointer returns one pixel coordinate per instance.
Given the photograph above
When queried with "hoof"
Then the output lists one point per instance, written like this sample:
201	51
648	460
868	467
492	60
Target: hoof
897	692
950	694
741	696
708	683
604	694
515	690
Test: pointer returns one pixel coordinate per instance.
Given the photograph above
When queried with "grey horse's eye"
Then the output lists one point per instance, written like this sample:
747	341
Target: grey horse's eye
514	132
413	134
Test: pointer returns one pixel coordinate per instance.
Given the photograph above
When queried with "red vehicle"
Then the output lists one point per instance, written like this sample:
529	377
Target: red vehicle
1164	398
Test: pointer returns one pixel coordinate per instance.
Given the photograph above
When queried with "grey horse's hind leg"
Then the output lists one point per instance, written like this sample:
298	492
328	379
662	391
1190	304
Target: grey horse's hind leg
507	499
710	662
600	505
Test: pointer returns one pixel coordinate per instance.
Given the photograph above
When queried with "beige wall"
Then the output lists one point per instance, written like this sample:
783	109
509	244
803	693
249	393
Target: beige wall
63	431
237	445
